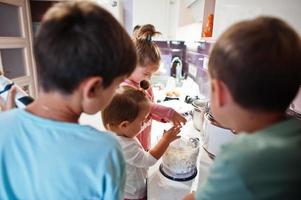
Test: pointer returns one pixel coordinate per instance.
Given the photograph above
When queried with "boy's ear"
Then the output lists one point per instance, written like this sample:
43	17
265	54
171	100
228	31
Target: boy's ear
91	85
124	124
219	92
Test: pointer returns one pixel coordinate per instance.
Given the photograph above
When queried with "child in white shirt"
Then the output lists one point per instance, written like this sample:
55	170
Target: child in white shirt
126	116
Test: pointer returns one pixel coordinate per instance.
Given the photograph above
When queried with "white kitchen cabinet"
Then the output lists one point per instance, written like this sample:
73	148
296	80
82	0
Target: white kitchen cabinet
16	54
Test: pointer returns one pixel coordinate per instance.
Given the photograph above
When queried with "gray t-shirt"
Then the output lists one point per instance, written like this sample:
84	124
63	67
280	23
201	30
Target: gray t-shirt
263	165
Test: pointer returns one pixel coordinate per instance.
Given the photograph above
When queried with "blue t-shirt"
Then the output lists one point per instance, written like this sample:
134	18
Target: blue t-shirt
46	159
262	165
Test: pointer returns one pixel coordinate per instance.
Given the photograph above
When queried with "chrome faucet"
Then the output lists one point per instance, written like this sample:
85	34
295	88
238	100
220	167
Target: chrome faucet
177	63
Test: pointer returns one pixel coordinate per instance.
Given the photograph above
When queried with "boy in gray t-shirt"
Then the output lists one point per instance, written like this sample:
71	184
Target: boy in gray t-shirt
255	70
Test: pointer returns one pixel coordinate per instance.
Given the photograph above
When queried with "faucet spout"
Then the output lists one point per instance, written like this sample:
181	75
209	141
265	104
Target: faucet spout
178	63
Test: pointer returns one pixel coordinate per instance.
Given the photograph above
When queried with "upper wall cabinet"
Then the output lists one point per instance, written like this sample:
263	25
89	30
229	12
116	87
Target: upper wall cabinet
16	55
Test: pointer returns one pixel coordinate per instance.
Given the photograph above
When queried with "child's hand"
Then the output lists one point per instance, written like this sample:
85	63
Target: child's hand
10	103
178	119
172	134
168	136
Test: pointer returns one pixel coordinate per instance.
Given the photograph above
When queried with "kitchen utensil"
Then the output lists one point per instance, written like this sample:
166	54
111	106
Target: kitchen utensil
200	107
296	104
215	135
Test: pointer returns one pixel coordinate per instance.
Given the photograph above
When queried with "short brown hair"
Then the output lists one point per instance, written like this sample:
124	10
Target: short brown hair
260	62
125	106
78	40
148	51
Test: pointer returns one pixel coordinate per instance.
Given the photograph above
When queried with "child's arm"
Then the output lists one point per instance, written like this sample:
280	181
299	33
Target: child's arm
135	155
172	134
161	113
10	103
165	114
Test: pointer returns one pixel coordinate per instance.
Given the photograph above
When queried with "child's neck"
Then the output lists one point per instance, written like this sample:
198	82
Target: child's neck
254	121
54	106
118	132
121	134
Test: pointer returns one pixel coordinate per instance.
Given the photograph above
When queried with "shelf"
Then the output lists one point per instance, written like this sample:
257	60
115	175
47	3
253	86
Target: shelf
12	42
52	1
25	83
13	2
22	79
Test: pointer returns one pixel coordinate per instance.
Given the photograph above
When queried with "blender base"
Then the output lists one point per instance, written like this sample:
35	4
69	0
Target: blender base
179	177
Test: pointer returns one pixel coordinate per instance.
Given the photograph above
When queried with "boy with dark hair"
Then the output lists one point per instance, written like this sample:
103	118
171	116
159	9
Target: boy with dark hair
82	55
255	71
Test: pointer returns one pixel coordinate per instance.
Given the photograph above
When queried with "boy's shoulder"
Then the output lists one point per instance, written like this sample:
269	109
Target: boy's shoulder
14	118
104	137
5	116
265	147
3	113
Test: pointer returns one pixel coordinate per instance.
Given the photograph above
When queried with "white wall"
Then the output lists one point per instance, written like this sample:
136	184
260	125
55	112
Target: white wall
127	11
115	7
161	13
151	12
175	19
189	27
193	18
92	120
190	32
228	12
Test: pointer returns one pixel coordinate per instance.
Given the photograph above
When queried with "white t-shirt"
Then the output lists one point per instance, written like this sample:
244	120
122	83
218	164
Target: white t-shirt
137	163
